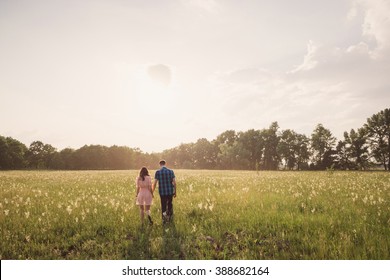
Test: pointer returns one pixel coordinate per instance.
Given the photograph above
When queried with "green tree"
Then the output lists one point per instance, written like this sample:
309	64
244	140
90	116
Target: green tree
204	154
287	148
119	157
67	159
358	146
223	143
293	149
302	151
4	156
378	132
271	140
36	155
233	156
181	156
228	137
12	153
91	157
50	156
343	156
322	144
252	147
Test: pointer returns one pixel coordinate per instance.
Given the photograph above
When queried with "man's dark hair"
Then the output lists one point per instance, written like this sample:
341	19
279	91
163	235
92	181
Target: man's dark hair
162	162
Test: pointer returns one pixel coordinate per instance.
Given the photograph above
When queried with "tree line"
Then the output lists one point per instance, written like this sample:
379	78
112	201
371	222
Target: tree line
266	149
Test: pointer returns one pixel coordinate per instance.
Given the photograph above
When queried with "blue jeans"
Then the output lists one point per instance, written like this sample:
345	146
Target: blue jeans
166	206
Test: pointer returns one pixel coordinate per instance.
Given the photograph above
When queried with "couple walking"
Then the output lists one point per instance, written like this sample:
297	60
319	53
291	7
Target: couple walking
166	188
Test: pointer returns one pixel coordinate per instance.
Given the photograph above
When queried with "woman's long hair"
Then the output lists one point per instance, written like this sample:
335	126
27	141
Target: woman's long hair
144	172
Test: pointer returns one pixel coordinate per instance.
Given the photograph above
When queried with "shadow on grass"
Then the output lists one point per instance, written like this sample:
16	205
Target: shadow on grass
171	243
161	242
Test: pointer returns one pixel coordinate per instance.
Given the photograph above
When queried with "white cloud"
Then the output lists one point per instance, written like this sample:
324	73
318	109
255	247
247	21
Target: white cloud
376	24
353	11
309	61
89	62
337	86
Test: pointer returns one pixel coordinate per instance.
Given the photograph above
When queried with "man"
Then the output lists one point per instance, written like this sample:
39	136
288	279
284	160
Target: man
166	189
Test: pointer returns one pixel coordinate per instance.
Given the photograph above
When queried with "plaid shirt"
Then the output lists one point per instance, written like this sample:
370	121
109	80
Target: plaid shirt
165	176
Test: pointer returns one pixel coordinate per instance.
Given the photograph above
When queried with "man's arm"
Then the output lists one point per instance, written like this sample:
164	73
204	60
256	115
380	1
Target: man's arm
154	185
154	182
174	186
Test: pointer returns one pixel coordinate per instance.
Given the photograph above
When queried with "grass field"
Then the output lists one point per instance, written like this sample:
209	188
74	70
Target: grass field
218	215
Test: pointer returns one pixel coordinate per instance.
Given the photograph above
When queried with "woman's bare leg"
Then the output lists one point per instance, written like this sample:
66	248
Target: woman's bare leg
142	212
147	210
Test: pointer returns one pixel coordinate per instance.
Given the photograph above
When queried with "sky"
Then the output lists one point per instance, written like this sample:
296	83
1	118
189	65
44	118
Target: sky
155	74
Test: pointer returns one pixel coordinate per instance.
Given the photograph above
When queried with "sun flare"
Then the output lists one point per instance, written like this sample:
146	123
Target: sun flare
155	89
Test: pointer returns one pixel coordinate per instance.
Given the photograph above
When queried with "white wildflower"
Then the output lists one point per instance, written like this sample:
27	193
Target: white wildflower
69	210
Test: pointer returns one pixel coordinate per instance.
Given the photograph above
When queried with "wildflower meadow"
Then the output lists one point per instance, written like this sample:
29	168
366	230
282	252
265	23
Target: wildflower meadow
217	215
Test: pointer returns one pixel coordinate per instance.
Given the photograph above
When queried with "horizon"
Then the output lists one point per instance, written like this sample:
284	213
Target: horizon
157	152
109	72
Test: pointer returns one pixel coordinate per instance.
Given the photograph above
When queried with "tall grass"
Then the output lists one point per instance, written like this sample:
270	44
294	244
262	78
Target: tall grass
218	215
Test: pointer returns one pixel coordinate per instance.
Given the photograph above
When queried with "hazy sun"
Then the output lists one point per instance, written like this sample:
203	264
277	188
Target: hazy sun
155	88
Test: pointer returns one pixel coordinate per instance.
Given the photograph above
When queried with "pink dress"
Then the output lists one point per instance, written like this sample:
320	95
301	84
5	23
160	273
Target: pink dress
144	196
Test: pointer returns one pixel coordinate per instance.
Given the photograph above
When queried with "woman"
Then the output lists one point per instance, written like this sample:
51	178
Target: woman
144	193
